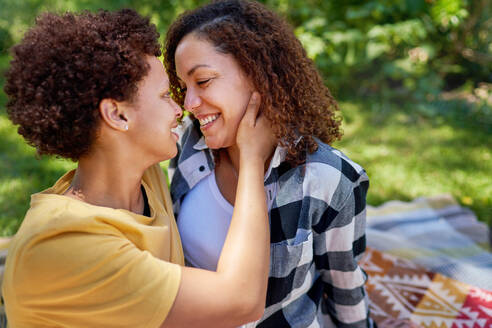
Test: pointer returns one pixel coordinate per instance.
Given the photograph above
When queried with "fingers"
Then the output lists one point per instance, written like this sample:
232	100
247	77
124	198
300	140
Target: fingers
261	121
253	108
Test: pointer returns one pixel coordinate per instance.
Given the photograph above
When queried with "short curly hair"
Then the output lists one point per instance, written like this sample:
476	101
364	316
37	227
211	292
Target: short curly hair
65	65
293	93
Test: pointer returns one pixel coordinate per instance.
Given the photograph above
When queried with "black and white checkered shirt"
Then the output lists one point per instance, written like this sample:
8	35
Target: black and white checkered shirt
317	215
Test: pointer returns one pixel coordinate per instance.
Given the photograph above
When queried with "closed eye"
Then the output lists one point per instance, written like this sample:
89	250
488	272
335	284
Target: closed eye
203	82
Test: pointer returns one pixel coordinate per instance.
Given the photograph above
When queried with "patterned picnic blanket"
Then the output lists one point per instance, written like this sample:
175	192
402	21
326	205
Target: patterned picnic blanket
404	294
429	265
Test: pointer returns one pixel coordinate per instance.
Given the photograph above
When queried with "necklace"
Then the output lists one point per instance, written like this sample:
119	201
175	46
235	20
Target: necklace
76	192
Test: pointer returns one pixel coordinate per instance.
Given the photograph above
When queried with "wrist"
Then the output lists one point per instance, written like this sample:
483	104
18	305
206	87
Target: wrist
251	162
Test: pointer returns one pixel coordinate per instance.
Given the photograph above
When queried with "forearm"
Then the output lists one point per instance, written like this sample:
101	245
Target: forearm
248	237
236	293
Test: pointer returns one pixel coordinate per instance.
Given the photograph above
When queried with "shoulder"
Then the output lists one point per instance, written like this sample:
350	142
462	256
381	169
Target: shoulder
328	156
72	256
61	228
331	176
53	257
79	270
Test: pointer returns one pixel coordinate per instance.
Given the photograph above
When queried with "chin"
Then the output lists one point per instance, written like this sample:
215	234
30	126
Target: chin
170	153
216	144
213	145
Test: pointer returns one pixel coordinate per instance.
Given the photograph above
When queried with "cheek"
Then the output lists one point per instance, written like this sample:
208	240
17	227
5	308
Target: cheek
236	106
232	118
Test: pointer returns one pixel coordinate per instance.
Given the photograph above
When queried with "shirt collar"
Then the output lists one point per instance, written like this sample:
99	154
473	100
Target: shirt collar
277	159
200	144
278	156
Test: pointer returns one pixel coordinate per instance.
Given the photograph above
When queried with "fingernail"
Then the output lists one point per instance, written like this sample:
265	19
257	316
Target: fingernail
254	98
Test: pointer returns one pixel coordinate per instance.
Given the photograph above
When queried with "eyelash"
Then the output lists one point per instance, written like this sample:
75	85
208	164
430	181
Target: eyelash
203	82
200	83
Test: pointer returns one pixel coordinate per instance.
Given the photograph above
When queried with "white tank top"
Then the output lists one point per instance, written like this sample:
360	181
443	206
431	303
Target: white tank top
203	222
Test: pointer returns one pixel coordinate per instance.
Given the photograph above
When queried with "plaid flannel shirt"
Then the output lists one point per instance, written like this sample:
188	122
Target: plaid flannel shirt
317	219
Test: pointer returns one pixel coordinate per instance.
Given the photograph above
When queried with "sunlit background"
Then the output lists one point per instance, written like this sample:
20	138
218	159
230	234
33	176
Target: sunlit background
413	78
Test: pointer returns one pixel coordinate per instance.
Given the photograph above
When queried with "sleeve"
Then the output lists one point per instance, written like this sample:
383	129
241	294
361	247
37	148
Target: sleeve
95	280
339	241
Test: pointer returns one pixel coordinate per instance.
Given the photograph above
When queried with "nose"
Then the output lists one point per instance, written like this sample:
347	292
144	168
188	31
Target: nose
179	111
192	100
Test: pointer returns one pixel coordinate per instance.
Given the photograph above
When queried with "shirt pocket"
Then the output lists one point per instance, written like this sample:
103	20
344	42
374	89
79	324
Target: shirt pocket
288	255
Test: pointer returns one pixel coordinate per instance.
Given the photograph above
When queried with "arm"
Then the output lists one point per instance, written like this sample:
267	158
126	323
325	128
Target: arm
340	244
236	293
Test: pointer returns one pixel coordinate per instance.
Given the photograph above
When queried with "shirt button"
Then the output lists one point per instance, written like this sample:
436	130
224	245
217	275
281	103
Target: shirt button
201	168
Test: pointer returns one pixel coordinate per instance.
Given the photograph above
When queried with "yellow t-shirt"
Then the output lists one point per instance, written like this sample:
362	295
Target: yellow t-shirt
72	264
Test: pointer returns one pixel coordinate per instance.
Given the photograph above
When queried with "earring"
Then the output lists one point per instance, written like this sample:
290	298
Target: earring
126	127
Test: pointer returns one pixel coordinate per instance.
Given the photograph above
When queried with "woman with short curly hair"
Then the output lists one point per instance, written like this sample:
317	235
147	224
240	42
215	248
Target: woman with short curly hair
101	248
216	56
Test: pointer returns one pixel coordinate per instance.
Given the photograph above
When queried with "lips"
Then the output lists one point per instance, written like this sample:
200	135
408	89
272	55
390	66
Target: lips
174	131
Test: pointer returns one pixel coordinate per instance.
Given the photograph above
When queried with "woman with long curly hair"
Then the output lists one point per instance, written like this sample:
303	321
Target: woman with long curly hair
216	55
101	248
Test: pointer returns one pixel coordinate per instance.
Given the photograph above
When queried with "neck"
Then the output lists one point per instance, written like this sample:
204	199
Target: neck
233	153
104	179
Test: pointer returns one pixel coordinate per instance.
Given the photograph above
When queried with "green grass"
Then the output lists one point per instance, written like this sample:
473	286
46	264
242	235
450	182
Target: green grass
408	155
405	153
22	175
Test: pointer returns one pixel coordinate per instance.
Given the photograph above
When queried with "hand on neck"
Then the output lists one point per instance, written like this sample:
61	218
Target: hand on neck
233	154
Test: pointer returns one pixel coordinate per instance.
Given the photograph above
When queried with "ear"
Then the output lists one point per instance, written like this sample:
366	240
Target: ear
114	114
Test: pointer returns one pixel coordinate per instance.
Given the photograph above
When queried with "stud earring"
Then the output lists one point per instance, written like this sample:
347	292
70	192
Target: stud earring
126	127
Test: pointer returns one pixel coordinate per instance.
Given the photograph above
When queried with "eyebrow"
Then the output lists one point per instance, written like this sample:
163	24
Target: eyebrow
195	68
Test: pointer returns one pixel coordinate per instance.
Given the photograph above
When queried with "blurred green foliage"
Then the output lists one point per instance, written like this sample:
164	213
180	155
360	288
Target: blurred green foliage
403	49
414	77
395	48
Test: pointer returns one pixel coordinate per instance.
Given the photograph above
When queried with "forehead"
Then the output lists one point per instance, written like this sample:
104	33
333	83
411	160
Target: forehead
157	74
193	50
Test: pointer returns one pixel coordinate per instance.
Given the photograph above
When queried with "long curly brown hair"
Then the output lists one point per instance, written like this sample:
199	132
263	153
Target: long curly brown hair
294	96
65	65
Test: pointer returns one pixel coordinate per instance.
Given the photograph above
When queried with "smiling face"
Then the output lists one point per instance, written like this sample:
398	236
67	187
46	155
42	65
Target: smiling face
217	90
155	114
